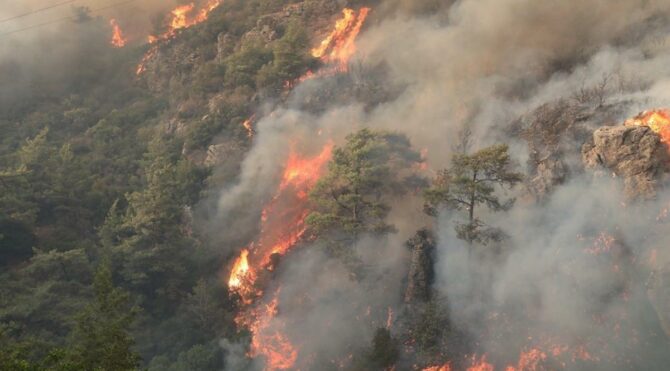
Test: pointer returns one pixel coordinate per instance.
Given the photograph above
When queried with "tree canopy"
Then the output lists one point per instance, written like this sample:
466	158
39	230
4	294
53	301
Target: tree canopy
365	173
473	180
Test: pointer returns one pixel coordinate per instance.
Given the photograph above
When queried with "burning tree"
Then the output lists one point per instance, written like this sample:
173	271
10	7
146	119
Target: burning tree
352	198
470	182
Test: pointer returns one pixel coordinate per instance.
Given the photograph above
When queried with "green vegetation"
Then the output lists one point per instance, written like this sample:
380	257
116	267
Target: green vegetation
96	171
472	181
101	267
353	197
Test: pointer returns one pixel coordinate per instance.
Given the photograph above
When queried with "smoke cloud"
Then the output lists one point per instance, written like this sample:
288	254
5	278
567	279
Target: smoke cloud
482	65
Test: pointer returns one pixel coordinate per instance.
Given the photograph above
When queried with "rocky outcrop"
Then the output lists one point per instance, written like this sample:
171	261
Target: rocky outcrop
421	272
635	154
554	133
217	154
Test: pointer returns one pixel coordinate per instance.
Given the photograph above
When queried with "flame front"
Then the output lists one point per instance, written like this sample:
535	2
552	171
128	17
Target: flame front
182	17
283	217
339	46
118	40
282	227
185	16
657	120
268	339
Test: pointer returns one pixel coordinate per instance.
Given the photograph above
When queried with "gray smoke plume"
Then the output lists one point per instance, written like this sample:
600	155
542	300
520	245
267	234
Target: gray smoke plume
483	65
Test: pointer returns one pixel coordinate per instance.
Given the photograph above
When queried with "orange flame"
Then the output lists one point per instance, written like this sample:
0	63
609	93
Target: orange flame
282	227
248	126
282	224
148	56
480	364
529	361
444	367
268	340
118	40
242	277
476	364
338	47
185	16
657	120
182	17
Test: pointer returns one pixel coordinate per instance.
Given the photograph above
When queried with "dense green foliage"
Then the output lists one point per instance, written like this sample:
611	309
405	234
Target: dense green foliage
101	336
353	197
101	265
88	169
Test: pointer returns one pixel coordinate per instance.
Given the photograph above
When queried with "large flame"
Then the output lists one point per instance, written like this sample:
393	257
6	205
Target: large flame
283	218
268	340
282	222
118	40
657	120
282	227
339	46
336	49
185	16
181	17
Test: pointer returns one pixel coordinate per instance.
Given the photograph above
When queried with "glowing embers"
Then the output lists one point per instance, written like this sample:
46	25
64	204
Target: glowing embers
268	338
541	357
657	120
118	39
248	125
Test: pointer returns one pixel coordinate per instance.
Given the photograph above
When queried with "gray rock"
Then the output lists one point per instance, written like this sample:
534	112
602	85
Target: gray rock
633	153
219	153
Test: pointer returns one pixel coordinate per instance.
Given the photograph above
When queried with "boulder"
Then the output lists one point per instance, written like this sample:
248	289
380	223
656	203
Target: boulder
635	154
218	154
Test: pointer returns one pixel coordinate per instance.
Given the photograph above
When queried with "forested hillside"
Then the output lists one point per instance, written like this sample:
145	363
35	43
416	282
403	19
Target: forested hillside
334	185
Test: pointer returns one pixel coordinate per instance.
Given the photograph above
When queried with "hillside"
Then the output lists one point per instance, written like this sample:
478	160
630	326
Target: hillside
335	185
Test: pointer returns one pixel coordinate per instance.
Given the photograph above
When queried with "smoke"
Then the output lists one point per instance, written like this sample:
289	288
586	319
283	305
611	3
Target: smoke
60	51
483	65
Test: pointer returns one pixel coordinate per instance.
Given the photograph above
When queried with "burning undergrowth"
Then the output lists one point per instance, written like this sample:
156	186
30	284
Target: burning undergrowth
571	287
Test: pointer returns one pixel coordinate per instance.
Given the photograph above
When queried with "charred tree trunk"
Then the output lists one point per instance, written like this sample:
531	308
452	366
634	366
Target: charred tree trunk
421	273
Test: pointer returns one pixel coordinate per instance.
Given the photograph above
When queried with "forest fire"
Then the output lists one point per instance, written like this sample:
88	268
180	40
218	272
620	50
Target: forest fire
282	221
182	17
336	50
657	120
445	367
185	16
282	226
248	125
338	47
118	39
268	340
530	359
241	274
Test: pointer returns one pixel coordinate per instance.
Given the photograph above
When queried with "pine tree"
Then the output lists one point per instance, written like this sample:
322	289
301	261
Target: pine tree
472	181
101	338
